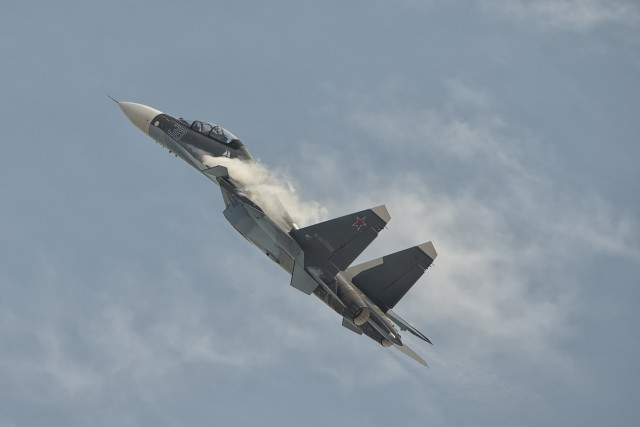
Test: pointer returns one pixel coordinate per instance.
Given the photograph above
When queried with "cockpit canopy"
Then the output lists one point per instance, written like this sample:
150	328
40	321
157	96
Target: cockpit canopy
214	131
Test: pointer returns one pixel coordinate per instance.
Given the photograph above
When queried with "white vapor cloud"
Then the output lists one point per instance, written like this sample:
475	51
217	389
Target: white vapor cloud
272	190
571	15
510	240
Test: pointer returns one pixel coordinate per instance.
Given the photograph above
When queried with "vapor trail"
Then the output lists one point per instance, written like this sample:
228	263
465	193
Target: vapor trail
271	190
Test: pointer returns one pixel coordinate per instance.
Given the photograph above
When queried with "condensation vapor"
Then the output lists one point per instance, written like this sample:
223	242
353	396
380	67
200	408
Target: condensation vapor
271	190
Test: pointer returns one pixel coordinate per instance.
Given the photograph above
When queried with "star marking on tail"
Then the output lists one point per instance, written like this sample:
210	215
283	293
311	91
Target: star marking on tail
359	223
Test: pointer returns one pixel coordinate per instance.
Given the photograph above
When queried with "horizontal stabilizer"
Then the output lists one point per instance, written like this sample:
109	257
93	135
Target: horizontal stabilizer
386	280
342	240
406	326
302	280
412	354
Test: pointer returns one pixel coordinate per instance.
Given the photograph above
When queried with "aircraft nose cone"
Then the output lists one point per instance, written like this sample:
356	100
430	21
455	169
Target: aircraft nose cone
139	114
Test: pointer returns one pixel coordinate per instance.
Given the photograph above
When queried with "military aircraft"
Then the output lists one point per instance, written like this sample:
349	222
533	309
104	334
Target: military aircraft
319	256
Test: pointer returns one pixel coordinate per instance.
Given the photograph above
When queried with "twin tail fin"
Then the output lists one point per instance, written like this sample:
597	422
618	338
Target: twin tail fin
386	280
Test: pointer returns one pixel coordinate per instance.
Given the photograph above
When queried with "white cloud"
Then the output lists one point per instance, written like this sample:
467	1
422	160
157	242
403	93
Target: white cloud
571	15
503	287
510	240
270	189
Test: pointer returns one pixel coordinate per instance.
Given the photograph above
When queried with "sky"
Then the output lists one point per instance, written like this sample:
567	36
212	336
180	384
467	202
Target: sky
505	132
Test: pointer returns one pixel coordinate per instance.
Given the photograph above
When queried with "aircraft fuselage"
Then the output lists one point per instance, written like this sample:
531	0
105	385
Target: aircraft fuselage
317	265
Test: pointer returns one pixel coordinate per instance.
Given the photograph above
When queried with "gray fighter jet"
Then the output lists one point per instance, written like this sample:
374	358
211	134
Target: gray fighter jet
319	256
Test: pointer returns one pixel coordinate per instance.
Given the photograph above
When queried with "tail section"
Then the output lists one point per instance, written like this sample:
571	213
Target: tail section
386	280
341	240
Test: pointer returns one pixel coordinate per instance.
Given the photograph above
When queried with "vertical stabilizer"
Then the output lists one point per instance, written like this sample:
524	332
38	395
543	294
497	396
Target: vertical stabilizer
341	240
386	280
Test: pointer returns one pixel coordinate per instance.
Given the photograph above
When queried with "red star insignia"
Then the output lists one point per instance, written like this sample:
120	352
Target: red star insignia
359	223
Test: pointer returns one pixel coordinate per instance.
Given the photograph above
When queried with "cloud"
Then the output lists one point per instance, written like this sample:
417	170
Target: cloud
569	15
511	241
270	189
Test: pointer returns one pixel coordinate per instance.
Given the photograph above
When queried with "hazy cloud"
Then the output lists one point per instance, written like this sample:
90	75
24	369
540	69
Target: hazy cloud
126	298
570	15
508	237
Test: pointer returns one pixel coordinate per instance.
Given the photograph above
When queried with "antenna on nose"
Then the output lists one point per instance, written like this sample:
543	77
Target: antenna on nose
113	99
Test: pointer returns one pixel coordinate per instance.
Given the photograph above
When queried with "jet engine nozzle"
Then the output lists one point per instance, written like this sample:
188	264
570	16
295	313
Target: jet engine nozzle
352	301
362	316
372	333
139	114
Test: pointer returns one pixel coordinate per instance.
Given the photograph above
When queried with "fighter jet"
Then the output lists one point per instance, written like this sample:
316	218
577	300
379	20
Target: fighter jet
318	257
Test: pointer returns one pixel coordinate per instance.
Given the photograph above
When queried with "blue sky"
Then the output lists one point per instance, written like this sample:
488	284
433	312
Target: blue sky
504	131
